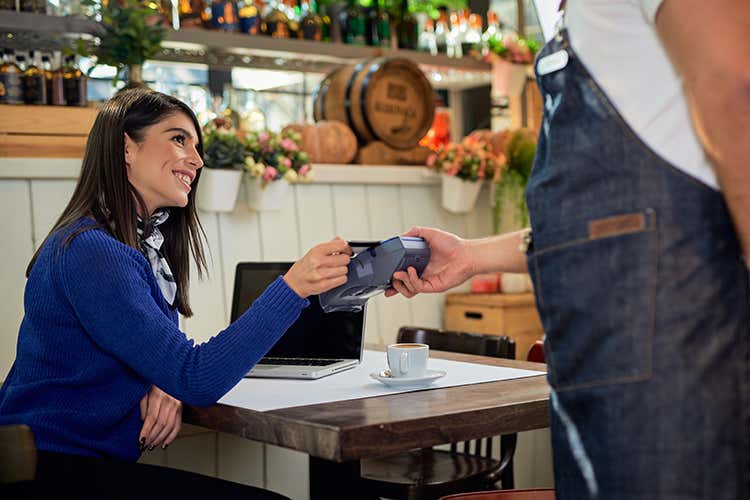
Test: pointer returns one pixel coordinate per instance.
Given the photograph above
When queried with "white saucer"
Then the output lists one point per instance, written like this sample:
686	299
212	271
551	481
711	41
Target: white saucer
429	377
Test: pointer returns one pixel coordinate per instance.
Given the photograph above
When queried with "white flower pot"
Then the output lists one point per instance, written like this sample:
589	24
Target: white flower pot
459	196
268	197
508	79
218	188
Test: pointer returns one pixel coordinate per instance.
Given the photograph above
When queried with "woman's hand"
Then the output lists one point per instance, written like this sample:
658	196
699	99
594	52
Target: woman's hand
320	269
162	419
450	265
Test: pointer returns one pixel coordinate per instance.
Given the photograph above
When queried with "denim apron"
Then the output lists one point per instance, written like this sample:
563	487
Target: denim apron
643	295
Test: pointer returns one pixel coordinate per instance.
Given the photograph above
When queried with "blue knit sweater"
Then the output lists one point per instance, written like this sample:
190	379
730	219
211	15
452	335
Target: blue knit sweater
97	333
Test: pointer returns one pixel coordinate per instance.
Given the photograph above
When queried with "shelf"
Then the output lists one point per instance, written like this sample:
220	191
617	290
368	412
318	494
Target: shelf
337	53
27	30
42	23
69	168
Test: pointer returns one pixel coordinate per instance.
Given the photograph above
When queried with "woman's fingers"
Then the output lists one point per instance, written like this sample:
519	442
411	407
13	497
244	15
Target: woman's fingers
334	260
150	422
336	246
168	416
175	429
332	272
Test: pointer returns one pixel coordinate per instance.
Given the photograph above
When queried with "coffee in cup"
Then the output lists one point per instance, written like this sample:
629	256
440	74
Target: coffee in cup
408	360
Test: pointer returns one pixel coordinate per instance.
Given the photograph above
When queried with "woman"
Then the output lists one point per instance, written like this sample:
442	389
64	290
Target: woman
102	368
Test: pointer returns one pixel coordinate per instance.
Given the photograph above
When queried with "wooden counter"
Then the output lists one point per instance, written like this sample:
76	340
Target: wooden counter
44	131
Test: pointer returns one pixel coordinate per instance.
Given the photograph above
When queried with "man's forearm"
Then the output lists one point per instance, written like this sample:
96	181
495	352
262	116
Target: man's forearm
710	50
503	253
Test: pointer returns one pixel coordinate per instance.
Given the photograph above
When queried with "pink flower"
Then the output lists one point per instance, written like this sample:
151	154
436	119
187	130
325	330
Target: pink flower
269	174
263	136
289	145
287	163
304	170
431	160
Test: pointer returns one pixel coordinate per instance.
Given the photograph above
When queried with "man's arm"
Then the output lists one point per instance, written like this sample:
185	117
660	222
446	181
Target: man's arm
708	44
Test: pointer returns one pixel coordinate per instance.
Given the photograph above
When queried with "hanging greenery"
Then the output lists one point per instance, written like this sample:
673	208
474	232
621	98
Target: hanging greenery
519	150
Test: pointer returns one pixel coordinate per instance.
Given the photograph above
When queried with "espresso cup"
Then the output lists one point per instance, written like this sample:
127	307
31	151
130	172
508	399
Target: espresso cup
408	360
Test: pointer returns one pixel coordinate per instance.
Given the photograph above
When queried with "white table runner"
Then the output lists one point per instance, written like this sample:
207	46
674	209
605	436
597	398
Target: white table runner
263	394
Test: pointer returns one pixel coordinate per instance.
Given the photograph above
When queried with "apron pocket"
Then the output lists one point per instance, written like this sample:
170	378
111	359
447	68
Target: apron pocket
596	298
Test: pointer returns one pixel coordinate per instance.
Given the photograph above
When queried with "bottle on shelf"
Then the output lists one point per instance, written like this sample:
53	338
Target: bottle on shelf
36	6
327	29
453	39
53	77
407	28
472	44
34	85
384	25
311	25
193	13
370	19
427	40
11	79
275	23
352	20
224	15
75	84
492	34
294	14
249	17
441	33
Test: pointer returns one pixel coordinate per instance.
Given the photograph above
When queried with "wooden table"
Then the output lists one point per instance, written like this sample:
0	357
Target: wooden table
338	435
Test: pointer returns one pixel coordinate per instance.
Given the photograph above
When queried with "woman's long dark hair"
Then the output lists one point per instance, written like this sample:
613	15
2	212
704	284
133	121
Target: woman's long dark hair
104	192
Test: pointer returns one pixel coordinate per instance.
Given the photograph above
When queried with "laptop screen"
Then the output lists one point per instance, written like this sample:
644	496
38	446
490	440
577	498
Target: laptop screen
315	334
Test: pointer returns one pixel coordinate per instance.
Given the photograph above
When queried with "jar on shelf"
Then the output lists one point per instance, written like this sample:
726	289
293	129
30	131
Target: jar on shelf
250	17
275	23
224	15
311	25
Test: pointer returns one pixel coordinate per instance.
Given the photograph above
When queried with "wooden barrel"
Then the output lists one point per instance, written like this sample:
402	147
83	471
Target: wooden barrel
383	99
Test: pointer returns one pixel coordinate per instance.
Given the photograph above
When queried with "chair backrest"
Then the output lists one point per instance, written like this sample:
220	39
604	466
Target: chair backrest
536	352
530	494
17	454
498	346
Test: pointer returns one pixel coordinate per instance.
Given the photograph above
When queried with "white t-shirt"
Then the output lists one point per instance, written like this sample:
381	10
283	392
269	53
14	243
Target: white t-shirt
617	42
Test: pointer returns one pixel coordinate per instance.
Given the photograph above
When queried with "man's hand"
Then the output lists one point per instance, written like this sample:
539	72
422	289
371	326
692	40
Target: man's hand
450	265
162	419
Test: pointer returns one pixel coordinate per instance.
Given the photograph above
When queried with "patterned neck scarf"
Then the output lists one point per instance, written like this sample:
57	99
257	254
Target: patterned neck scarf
151	241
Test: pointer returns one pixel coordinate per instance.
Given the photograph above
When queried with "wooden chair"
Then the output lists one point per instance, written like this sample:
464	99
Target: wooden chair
536	352
17	454
429	473
531	494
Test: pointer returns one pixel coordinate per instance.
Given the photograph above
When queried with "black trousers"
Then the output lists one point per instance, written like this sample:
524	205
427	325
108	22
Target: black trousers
81	477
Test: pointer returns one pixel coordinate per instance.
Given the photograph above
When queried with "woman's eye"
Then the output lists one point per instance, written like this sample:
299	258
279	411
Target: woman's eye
179	139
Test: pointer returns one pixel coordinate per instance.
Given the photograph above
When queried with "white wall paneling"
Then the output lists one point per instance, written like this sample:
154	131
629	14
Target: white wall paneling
17	248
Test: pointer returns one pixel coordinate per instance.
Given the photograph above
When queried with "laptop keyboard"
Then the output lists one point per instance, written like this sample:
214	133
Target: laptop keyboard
298	361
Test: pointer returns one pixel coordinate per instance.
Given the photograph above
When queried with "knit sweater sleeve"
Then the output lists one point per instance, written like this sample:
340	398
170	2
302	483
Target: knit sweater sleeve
107	286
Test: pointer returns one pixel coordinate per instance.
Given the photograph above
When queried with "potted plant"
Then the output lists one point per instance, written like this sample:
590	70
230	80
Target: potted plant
273	161
518	155
224	158
511	57
463	167
133	32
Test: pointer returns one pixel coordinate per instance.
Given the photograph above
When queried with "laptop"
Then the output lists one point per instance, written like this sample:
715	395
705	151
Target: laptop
318	344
